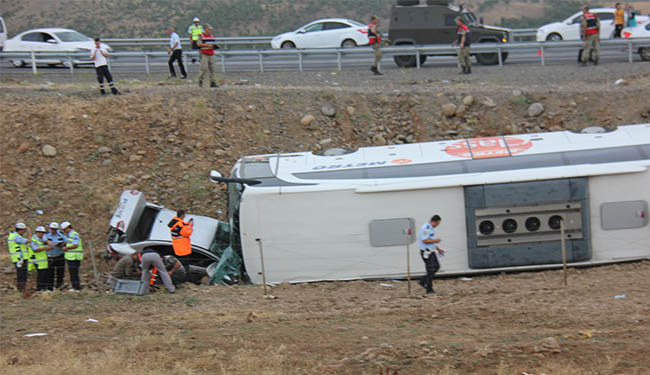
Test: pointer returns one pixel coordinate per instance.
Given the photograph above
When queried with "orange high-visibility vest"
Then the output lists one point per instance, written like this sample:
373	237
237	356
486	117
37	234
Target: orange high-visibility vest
181	232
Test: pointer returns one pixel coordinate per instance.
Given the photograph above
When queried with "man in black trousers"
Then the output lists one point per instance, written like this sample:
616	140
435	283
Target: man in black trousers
99	56
176	53
428	247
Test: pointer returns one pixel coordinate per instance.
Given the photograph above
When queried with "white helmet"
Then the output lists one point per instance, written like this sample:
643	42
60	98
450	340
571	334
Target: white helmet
65	224
54	225
41	229
196	19
21	226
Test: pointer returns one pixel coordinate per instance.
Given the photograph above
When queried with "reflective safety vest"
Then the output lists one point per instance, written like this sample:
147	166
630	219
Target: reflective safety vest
17	251
196	31
181	232
592	24
372	37
463	29
39	259
75	254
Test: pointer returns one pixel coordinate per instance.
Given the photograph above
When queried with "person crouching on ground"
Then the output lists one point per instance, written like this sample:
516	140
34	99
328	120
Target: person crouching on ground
151	259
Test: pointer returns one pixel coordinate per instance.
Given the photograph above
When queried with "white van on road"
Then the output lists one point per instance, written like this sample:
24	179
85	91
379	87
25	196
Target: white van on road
3	33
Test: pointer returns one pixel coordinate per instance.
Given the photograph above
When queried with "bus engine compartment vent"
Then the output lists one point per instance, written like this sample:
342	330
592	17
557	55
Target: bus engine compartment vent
518	224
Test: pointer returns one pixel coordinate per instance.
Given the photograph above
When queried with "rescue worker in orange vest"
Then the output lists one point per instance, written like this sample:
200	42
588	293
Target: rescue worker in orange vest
590	32
374	39
181	232
464	41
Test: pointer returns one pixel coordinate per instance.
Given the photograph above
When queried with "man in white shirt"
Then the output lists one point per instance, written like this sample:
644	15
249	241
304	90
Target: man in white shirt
176	53
99	55
428	246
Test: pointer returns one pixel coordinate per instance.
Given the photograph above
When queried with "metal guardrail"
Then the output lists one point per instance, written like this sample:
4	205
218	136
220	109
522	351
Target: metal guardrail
242	41
340	53
226	41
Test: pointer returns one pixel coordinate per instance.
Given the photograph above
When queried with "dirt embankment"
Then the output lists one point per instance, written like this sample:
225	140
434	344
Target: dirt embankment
164	138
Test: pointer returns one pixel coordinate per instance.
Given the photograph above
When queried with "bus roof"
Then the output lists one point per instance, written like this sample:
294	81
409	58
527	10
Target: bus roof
454	157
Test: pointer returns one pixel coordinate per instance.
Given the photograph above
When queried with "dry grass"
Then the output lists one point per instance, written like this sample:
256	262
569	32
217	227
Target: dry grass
491	325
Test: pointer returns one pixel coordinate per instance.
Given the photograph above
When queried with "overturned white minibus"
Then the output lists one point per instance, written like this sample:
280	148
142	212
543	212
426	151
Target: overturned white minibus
501	200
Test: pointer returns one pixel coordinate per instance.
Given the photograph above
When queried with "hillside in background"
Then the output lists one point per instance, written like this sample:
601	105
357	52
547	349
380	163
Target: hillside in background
147	18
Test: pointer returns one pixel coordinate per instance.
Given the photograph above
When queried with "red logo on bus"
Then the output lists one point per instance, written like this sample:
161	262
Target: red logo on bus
491	147
401	161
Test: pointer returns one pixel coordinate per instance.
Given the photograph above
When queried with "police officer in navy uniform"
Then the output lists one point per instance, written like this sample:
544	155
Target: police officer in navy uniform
428	247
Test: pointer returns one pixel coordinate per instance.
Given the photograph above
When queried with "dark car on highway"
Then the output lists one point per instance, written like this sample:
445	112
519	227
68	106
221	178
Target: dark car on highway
434	22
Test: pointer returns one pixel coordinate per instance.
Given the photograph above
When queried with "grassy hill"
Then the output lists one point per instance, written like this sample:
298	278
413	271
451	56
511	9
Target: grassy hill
141	18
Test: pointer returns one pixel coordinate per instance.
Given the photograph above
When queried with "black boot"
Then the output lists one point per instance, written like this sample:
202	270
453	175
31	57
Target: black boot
114	91
464	71
595	61
200	84
378	73
213	85
373	69
102	91
469	70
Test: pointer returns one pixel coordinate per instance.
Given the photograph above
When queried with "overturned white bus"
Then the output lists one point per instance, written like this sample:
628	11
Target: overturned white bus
501	200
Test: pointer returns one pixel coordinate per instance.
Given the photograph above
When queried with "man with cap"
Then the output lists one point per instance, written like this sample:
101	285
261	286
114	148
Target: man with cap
208	63
17	242
40	247
195	30
56	259
74	253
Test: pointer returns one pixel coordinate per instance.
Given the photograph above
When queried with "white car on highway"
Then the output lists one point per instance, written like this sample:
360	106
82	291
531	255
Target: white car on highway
3	33
325	33
569	29
53	41
639	31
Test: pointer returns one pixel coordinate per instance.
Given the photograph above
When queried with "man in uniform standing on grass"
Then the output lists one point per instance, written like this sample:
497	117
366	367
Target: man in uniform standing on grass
99	56
74	253
17	242
590	32
176	53
464	40
208	62
428	247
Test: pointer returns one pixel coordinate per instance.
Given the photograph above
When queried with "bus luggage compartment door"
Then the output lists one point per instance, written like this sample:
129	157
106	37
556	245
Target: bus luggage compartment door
518	224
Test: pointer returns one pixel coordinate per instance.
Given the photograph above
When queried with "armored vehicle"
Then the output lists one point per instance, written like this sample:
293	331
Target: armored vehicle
415	22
